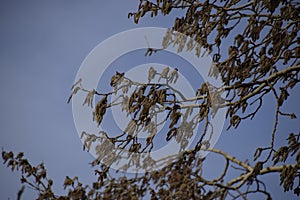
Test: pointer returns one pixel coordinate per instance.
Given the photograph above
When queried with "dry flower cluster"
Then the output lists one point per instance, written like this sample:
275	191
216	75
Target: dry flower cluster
262	53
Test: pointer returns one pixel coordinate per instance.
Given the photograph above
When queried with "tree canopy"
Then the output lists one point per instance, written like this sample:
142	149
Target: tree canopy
255	49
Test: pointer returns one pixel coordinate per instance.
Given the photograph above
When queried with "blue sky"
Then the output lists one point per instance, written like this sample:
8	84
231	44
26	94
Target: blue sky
43	44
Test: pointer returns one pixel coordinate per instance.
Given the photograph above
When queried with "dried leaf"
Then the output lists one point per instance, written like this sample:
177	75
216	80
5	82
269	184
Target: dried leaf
164	73
100	110
151	74
89	98
73	93
116	79
173	76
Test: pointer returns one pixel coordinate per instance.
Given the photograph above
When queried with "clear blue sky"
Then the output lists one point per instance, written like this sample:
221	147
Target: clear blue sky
42	45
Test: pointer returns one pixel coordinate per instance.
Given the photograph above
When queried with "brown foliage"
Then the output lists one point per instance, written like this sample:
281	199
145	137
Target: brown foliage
262	58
